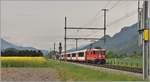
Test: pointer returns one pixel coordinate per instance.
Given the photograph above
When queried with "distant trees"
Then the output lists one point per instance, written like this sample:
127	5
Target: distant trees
14	52
53	55
136	54
111	54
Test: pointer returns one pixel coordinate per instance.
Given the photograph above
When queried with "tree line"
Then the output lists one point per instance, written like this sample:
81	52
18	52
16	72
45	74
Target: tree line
14	52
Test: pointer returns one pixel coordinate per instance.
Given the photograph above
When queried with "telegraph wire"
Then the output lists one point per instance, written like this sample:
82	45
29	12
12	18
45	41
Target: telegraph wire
122	18
113	6
111	23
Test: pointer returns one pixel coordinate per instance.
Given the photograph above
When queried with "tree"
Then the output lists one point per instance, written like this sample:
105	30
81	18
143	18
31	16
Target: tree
110	54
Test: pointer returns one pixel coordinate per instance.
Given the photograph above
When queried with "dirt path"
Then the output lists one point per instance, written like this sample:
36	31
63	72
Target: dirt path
28	74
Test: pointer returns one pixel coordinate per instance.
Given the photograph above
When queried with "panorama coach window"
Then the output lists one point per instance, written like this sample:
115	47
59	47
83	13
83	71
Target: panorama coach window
68	55
73	55
81	54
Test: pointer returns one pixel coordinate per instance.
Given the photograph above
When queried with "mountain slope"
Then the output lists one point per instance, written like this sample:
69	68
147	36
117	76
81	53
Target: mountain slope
5	44
124	42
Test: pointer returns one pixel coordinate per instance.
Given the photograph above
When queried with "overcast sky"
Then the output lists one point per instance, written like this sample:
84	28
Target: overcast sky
41	23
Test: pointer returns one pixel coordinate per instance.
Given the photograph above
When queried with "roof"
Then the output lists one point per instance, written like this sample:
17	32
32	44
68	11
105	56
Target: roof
84	51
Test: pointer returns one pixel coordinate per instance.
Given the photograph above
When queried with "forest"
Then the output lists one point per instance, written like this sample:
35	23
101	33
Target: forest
13	52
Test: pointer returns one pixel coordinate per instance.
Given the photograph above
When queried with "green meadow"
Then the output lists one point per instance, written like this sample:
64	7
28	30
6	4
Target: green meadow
71	72
67	71
128	62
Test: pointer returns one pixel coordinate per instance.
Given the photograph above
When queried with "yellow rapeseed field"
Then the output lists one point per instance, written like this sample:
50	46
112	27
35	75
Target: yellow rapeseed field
22	61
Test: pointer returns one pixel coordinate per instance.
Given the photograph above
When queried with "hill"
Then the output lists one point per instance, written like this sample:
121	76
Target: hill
5	45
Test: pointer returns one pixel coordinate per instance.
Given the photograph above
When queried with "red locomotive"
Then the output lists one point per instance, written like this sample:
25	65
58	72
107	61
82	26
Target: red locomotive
96	56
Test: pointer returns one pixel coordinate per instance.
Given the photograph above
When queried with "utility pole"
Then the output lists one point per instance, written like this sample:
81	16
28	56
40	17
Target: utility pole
60	48
104	10
146	41
144	31
54	49
76	44
50	55
140	41
65	45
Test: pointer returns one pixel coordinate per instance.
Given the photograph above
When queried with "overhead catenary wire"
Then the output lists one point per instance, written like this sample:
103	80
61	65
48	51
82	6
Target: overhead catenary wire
121	18
90	22
113	6
97	14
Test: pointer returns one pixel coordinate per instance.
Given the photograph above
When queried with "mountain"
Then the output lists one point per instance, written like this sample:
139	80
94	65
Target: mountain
5	44
123	42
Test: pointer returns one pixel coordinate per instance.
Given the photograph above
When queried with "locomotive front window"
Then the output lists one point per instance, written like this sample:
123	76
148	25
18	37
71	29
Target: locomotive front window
94	52
81	54
97	52
103	52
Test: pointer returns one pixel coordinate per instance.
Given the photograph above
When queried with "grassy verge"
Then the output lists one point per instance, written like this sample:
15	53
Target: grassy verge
77	73
129	62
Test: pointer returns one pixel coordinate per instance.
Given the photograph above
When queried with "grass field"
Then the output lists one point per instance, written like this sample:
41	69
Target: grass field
129	62
77	73
23	61
66	71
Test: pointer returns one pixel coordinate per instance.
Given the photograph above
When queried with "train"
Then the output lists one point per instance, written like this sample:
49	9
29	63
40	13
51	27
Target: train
96	56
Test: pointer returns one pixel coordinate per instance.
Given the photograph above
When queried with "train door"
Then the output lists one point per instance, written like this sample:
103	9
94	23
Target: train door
73	56
81	56
70	56
86	53
76	56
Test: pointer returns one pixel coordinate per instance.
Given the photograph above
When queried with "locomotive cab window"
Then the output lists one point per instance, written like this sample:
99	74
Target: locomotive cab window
81	54
103	52
94	52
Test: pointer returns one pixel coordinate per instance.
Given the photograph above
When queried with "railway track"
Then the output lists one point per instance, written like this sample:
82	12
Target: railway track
116	67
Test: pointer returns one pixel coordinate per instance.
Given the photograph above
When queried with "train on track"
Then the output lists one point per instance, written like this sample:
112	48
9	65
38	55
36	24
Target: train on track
96	56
